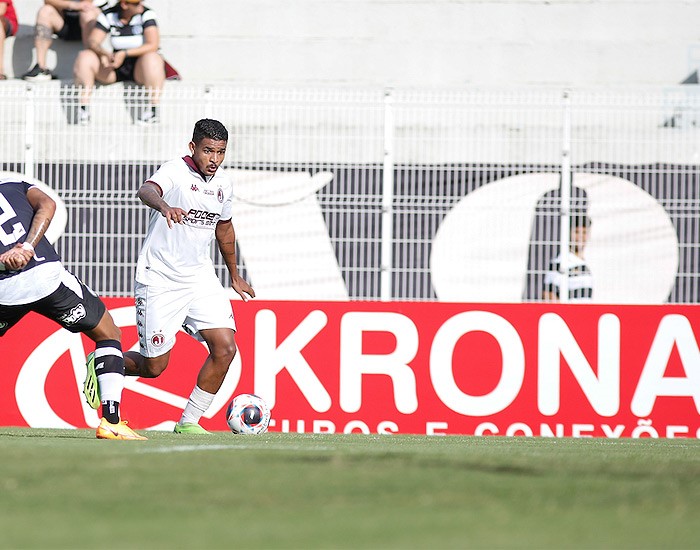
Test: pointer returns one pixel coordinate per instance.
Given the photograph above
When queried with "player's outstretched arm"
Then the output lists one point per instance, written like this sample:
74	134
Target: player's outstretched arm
151	195
226	238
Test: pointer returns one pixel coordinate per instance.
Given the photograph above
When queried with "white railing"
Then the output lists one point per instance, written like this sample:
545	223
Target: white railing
388	194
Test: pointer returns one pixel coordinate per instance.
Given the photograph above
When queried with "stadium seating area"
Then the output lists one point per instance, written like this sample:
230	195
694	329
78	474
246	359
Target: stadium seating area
435	43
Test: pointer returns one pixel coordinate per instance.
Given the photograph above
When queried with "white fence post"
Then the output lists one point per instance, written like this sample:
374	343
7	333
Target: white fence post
387	255
29	130
208	102
565	206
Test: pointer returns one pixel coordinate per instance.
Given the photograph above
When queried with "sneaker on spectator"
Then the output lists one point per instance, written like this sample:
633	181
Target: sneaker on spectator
37	74
83	115
148	116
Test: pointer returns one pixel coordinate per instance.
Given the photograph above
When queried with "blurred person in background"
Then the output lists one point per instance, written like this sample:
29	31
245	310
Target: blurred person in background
69	20
8	27
134	37
32	278
579	275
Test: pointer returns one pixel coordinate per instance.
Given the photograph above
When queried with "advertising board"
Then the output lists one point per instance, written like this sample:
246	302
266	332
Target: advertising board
397	368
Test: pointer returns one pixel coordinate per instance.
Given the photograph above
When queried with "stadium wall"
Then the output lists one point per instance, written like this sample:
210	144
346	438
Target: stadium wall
408	43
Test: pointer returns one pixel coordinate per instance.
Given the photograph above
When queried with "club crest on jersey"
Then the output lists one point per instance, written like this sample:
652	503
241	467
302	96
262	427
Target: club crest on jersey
158	340
220	195
74	315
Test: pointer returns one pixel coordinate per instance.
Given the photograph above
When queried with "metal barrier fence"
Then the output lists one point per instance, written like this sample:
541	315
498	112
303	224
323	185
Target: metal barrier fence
450	195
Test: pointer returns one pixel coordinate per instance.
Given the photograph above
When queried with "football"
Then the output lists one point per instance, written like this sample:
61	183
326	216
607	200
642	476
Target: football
248	414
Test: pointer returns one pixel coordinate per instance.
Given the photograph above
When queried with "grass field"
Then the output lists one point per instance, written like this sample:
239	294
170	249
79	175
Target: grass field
64	489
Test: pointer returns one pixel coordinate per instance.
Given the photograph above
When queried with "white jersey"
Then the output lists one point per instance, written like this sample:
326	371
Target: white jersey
181	255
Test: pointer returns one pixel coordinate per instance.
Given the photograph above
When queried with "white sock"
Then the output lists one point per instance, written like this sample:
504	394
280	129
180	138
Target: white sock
197	405
111	386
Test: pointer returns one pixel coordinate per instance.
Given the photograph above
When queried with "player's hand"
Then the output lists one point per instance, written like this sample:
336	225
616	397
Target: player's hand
242	288
16	258
173	215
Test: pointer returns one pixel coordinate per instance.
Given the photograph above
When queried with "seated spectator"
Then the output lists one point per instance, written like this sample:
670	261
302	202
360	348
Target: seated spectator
580	279
69	20
8	27
135	40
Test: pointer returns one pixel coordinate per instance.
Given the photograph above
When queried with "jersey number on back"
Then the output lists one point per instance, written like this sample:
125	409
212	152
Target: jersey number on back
6	214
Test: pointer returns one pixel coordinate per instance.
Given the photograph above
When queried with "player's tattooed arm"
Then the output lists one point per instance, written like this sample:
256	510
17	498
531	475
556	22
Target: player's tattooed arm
151	195
44	210
226	238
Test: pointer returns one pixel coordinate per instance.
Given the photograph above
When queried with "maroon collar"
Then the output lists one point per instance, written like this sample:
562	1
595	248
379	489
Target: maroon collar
190	162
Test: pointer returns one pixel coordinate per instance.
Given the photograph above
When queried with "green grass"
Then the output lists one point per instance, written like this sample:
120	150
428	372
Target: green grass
64	489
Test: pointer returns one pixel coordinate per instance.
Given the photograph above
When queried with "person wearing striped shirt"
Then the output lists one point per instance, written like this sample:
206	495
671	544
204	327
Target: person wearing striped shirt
580	278
134	37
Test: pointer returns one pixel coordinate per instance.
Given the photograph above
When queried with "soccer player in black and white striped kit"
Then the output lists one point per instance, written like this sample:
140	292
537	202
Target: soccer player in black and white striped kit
32	278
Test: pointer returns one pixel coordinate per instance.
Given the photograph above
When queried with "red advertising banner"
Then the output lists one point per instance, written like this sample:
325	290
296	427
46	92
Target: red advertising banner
397	367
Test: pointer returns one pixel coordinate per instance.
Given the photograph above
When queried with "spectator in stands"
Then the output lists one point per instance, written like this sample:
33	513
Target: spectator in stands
8	27
69	20
135	40
580	278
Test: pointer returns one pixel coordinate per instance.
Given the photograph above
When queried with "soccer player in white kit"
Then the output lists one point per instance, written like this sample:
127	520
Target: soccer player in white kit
176	285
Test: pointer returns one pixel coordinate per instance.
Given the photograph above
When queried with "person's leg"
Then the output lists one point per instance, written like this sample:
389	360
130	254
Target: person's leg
48	21
222	350
88	69
87	22
105	369
136	364
108	365
149	72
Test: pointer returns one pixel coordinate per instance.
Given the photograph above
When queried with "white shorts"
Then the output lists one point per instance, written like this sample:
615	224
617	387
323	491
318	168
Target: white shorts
162	312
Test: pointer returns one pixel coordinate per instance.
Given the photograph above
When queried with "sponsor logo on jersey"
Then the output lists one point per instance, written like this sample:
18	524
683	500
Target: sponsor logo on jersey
202	218
74	315
194	187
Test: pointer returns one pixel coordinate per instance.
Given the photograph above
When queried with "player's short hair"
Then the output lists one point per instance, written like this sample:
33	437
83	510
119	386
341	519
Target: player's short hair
209	128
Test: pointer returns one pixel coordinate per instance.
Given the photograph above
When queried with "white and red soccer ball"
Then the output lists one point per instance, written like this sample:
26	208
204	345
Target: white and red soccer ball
248	414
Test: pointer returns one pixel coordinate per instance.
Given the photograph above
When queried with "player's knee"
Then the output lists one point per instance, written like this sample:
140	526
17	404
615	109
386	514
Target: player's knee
224	352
